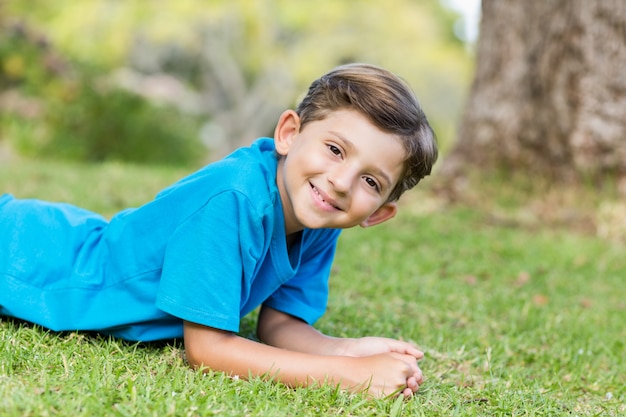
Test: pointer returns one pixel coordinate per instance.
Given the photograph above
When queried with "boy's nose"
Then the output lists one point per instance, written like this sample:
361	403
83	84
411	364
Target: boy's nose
341	180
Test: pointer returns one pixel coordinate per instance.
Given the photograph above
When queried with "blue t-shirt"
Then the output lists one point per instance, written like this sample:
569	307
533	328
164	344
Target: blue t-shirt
208	249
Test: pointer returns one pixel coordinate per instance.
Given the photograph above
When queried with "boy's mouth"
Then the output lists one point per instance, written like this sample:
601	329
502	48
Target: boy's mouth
326	199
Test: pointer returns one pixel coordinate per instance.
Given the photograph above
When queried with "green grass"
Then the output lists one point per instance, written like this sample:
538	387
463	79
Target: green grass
515	321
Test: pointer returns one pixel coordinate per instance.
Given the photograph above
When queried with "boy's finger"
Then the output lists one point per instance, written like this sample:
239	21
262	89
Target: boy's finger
407	392
413	351
407	348
412	384
417	353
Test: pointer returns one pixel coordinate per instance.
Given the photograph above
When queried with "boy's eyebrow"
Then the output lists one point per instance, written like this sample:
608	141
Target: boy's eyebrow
349	144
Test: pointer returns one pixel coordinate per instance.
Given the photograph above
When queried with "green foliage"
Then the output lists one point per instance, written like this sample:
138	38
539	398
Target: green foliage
513	321
26	60
414	39
115	124
76	116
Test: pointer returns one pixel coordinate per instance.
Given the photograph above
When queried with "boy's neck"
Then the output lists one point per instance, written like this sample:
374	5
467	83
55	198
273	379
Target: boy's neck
292	238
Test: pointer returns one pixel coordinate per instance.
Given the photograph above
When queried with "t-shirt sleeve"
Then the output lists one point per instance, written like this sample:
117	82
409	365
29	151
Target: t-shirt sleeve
201	276
306	294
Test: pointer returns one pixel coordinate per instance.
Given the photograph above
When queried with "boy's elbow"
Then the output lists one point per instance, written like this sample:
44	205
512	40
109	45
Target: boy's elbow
192	360
198	339
193	356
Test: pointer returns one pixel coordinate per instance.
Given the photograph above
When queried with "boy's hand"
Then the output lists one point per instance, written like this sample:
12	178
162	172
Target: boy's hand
368	346
375	346
375	359
390	373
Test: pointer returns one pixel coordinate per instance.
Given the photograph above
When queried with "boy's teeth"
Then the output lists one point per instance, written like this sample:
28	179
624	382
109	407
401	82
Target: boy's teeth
318	193
321	198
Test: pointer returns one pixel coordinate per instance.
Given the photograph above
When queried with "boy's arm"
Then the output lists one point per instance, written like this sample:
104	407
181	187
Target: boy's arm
381	374
282	330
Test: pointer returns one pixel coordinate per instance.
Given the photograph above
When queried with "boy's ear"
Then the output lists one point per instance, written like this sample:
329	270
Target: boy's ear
384	213
287	128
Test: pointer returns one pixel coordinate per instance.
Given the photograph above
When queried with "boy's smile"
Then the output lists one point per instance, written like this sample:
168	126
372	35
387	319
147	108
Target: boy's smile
324	202
336	172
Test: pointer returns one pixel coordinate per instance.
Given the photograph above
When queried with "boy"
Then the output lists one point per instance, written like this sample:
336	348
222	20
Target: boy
258	228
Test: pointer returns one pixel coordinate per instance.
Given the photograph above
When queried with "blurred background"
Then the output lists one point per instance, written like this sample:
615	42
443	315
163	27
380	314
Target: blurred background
186	81
527	97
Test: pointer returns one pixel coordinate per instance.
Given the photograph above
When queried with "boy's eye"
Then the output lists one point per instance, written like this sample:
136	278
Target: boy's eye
371	182
334	149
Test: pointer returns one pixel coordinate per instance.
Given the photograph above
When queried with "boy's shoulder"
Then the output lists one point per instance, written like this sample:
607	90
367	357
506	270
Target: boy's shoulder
250	171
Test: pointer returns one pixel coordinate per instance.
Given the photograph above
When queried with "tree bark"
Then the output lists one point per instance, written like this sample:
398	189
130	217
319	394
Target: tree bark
549	94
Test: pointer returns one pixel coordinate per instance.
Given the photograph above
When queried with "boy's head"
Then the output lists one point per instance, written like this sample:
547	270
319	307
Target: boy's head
387	102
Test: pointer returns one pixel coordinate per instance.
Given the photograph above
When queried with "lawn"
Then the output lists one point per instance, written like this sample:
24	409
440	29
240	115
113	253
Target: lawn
514	320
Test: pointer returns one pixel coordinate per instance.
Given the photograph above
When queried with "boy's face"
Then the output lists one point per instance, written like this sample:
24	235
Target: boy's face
337	172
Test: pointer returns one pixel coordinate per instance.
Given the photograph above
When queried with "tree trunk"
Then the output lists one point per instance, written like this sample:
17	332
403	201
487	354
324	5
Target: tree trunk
549	94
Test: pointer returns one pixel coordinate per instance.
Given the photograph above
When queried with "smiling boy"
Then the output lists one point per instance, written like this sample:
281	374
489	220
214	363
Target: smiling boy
337	172
258	228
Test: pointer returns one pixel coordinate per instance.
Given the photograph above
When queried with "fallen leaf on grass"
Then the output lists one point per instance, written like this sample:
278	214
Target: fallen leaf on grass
470	279
540	299
522	279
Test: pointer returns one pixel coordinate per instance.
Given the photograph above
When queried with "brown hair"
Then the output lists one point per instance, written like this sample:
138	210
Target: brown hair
388	102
